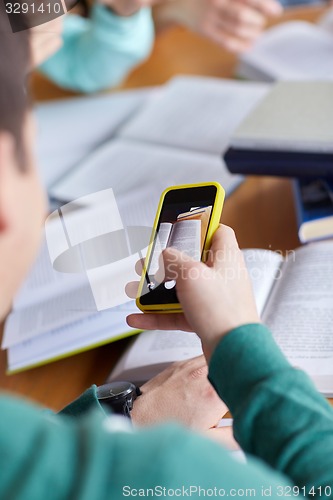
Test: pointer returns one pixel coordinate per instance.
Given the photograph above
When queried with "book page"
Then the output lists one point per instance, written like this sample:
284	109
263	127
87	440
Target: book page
186	237
161	242
200	213
152	351
195	113
294	50
264	268
98	328
68	130
57	311
43	282
300	309
49	299
134	169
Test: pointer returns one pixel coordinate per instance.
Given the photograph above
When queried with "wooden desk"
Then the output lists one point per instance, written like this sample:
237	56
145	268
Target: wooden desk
261	211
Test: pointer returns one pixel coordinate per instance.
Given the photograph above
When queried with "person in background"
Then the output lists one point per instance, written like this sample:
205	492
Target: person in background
97	52
235	25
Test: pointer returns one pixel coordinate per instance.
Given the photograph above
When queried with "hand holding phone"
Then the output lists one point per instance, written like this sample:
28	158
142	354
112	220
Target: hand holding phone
186	219
216	298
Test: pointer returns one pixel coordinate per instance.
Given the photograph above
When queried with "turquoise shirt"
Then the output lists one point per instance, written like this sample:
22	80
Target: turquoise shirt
280	420
100	51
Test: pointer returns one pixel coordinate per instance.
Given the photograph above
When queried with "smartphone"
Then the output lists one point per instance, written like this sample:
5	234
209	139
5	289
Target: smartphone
186	219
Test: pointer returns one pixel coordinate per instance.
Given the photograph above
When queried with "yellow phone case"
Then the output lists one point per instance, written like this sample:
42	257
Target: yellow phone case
213	225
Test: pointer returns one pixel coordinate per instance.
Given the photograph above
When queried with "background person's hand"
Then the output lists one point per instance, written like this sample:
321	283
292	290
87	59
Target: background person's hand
181	393
233	24
45	40
216	297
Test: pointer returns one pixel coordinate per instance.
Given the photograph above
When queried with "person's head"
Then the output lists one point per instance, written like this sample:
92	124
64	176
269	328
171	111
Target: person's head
22	201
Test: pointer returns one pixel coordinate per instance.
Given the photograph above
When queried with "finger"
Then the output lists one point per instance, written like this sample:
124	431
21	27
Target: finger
224	246
236	45
178	265
223	237
131	289
229	42
158	322
241	15
243	34
139	266
160	274
266	7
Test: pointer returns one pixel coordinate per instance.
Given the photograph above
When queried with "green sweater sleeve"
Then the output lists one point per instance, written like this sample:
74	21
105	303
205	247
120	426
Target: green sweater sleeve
99	52
278	414
94	456
83	453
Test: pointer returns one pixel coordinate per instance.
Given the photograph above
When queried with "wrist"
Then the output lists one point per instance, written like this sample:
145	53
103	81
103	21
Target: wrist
119	396
210	344
141	411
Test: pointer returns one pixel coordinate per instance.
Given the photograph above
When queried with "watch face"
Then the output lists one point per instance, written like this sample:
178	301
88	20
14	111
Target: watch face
115	390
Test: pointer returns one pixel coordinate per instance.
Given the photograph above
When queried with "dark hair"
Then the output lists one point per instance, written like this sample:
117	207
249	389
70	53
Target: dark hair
14	65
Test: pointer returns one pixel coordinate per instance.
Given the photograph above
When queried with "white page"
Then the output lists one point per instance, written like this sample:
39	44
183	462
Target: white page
152	351
300	310
264	268
130	167
70	129
295	50
160	244
65	308
195	113
44	283
186	237
63	302
100	327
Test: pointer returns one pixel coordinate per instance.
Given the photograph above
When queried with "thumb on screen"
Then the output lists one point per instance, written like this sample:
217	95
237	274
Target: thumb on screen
176	266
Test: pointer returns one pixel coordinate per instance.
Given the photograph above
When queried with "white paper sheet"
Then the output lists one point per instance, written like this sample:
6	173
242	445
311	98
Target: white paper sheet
295	50
68	130
195	113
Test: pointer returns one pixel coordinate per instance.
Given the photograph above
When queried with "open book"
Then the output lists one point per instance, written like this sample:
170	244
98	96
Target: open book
295	50
176	136
138	143
294	296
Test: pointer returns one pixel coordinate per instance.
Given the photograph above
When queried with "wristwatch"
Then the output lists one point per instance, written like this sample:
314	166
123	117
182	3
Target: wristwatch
119	396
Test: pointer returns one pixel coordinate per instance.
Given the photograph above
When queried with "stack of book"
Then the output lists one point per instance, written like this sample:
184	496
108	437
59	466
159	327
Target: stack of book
288	133
314	207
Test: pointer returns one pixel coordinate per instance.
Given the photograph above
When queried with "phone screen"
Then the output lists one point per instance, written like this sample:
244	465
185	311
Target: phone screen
183	224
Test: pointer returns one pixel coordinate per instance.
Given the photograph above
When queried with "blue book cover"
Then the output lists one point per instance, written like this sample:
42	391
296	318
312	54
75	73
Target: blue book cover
314	205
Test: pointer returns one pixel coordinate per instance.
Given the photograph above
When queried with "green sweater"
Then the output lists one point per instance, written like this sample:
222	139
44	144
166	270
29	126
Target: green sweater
279	418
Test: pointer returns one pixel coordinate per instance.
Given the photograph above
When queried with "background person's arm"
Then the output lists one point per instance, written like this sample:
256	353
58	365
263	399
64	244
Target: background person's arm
99	52
233	24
